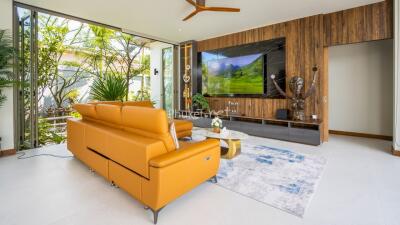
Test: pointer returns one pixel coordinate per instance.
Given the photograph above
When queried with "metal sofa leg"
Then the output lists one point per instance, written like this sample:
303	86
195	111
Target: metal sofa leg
113	184
155	213
214	179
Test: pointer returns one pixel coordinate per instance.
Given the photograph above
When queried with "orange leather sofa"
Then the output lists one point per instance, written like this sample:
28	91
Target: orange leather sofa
131	147
183	127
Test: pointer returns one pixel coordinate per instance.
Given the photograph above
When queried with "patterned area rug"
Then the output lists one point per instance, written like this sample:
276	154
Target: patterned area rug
278	177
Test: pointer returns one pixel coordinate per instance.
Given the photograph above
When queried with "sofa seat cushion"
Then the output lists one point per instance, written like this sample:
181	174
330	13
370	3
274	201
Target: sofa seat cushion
183	125
183	128
183	134
184	144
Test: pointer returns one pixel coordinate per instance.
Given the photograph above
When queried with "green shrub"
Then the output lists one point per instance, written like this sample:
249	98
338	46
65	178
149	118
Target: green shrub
109	88
75	115
46	135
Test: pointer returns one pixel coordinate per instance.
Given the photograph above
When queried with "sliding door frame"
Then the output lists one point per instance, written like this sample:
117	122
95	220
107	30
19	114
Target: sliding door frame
19	76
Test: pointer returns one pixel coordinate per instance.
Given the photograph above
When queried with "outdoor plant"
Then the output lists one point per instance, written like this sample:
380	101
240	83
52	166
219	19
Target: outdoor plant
76	115
73	96
58	75
47	135
109	88
6	55
71	56
200	102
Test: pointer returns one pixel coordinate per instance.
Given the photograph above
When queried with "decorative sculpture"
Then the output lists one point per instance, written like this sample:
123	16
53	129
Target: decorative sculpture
186	90
297	98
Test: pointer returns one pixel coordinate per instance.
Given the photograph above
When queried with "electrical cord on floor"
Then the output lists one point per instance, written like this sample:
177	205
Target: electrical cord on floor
22	154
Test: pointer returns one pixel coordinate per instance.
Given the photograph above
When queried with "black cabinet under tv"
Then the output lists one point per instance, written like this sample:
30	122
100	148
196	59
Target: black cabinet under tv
293	131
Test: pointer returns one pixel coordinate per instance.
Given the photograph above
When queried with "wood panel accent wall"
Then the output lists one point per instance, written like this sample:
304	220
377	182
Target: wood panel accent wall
365	23
248	107
306	42
304	49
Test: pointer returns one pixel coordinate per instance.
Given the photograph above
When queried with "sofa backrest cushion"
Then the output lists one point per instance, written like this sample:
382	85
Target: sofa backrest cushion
146	119
148	122
109	113
148	104
86	110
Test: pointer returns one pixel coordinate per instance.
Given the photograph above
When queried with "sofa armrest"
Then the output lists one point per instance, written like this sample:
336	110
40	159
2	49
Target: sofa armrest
183	153
175	173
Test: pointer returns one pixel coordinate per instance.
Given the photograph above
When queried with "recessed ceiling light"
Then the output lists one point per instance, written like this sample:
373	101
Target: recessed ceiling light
179	29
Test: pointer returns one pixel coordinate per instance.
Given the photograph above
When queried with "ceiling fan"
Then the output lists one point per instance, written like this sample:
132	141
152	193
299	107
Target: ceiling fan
201	6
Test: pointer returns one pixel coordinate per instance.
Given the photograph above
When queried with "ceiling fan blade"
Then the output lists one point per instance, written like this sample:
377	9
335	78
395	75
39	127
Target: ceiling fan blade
191	15
192	3
222	9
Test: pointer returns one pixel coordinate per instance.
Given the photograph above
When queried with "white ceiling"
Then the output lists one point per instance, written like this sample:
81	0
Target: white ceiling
163	18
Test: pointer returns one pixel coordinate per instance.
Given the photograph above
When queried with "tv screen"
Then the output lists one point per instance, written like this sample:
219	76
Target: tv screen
236	75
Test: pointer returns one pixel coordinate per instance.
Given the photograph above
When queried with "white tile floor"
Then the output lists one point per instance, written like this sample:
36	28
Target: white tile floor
360	186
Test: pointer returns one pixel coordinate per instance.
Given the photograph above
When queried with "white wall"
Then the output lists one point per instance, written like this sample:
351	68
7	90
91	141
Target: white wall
156	80
6	112
360	88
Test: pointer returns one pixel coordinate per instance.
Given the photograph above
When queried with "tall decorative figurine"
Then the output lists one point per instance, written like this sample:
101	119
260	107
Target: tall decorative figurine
298	97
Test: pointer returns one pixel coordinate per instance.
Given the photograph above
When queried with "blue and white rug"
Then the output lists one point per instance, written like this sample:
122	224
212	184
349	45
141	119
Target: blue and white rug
278	177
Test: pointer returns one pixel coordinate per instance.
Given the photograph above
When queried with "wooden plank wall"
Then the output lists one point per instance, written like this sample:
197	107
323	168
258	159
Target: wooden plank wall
306	42
304	49
366	23
248	107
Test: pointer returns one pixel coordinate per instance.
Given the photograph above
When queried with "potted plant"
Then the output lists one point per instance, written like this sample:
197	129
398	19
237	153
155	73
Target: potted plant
6	55
200	102
216	124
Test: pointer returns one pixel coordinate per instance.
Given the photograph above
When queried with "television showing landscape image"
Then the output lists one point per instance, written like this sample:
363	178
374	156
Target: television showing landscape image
237	75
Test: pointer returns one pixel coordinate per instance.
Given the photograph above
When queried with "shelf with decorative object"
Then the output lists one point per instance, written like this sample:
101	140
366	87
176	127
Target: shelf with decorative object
188	73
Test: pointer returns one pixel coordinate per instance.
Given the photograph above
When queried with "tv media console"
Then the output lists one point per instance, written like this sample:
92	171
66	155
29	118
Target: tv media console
305	132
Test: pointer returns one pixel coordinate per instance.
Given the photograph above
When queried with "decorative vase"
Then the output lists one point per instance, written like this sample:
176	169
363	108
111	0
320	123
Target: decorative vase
216	130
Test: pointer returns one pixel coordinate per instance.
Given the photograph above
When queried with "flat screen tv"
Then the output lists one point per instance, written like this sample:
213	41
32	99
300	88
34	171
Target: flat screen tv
243	71
235	75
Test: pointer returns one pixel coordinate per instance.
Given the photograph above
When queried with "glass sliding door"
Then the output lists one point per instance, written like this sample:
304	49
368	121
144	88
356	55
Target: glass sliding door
168	80
26	74
61	60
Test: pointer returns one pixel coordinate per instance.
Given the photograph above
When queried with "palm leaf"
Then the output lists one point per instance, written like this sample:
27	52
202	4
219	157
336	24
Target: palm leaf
109	88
